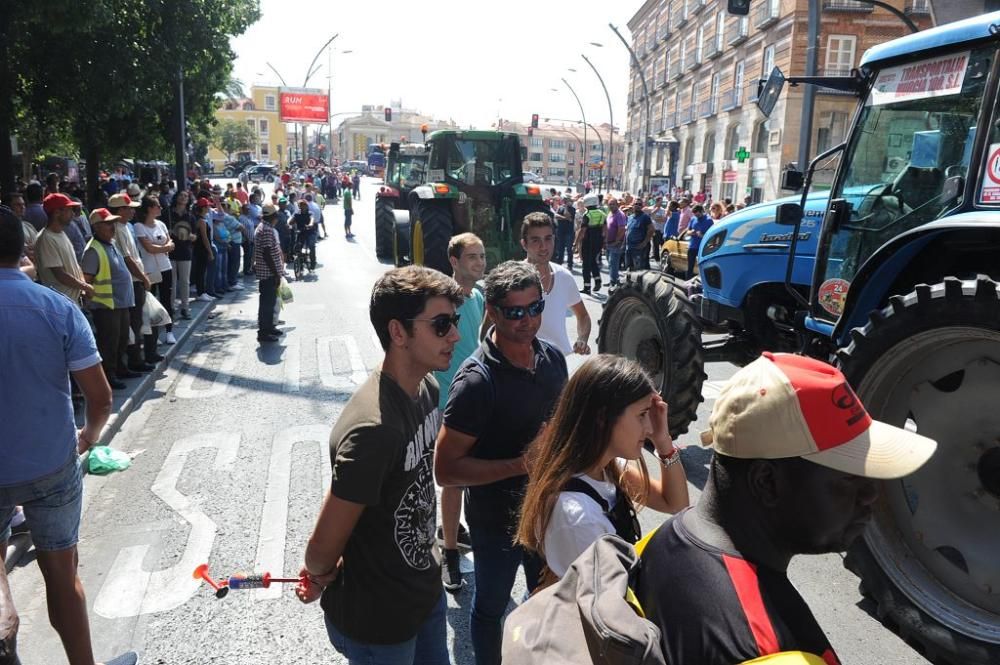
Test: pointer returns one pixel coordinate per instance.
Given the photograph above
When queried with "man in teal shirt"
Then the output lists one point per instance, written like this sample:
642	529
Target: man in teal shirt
468	264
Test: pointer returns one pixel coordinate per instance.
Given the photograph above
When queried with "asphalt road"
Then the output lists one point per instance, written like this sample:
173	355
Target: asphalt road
230	462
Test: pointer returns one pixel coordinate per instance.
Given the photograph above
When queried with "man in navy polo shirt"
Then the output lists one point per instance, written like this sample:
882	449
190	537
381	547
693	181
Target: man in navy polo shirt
41	469
498	401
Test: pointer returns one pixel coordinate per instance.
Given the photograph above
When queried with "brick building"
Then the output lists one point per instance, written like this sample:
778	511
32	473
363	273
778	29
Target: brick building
557	155
702	66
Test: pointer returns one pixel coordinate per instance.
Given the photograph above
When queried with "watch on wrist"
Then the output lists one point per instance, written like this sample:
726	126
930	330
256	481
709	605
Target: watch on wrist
669	459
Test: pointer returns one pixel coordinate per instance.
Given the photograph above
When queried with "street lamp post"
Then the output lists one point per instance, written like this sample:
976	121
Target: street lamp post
611	114
586	156
645	92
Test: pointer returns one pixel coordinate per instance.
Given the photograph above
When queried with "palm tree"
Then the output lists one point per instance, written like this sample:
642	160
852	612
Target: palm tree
233	89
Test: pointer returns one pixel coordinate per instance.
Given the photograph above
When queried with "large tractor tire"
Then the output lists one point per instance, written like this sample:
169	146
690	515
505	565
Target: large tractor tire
430	232
229	172
401	242
650	319
930	559
384	222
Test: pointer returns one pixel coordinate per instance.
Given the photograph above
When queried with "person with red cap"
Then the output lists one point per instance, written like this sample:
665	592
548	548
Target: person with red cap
795	471
55	257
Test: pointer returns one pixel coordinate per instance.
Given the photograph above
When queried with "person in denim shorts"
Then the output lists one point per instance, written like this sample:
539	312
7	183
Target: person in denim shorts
40	446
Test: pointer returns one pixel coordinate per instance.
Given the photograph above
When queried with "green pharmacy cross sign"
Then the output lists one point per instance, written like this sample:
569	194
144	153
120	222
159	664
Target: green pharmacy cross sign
742	154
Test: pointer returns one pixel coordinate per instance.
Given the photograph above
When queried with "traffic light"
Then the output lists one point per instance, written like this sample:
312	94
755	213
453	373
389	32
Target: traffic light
388	114
738	7
534	120
531	131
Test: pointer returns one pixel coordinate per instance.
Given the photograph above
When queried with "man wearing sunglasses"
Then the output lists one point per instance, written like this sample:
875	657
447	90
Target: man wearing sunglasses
372	548
498	402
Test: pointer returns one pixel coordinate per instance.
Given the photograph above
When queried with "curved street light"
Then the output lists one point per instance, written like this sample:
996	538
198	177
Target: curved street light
645	92
586	157
611	113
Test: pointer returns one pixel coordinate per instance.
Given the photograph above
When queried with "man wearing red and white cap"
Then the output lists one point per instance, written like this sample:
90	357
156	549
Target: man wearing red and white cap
795	471
54	254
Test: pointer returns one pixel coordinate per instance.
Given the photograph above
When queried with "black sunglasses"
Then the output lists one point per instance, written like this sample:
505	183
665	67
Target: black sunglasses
518	312
442	323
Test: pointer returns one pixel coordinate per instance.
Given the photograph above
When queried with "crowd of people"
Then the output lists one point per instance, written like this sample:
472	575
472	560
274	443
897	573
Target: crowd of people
628	232
473	395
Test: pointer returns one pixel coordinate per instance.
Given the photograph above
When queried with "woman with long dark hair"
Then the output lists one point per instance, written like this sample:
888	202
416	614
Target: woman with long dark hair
203	256
586	472
154	246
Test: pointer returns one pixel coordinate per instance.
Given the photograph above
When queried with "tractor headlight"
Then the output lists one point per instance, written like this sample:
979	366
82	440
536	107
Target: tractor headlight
714	243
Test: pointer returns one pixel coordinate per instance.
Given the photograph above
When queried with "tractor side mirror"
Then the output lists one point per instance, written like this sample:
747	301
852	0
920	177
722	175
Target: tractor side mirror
952	188
792	178
788	214
768	91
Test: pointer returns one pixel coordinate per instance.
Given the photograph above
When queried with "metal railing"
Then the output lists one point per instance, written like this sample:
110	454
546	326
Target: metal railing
848	6
685	115
727	100
708	108
711	49
766	13
738	31
919	8
675	70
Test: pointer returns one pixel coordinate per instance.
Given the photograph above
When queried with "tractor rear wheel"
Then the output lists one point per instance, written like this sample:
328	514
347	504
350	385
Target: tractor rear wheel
430	232
384	223
930	361
650	319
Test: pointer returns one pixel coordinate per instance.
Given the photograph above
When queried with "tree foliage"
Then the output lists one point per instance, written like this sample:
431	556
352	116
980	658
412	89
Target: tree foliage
101	74
230	136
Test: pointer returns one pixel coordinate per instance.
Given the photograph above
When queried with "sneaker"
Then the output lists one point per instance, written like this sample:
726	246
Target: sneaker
169	338
127	658
204	297
464	541
237	287
453	581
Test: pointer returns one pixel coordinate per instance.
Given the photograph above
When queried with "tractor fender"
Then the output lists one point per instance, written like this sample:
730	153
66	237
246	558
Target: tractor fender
877	274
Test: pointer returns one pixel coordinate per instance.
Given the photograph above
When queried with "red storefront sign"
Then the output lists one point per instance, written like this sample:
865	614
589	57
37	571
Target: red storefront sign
304	105
729	176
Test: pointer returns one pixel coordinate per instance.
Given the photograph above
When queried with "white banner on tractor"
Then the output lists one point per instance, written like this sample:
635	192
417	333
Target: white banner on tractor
936	77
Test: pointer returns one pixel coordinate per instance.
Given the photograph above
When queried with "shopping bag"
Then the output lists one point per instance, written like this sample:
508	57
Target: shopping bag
285	291
104	459
153	315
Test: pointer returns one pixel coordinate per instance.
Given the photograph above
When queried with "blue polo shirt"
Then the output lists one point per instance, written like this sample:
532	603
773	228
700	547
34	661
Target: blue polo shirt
43	337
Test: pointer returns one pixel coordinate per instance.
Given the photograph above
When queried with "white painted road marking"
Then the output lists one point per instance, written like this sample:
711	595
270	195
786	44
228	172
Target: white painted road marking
292	365
185	387
128	590
324	361
274	517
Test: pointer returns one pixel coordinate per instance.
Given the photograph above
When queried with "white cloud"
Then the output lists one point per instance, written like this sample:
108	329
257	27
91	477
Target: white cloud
466	60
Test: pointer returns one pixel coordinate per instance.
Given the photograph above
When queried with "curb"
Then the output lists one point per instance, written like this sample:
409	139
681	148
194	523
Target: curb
117	419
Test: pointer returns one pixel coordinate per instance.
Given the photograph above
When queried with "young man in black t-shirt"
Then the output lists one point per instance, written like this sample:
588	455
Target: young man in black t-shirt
796	460
497	404
305	227
372	547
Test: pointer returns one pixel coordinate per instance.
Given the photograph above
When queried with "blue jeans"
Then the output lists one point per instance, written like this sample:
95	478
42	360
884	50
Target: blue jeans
636	259
497	560
52	505
233	271
222	269
564	246
428	647
614	261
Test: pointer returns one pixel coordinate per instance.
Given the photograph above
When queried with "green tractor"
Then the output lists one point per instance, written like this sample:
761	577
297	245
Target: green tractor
473	183
405	167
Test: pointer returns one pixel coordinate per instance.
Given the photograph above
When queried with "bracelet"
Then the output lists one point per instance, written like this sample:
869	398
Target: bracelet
668	460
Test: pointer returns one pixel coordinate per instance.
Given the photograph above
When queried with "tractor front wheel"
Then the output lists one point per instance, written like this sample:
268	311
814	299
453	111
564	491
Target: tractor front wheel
930	362
430	232
650	319
384	223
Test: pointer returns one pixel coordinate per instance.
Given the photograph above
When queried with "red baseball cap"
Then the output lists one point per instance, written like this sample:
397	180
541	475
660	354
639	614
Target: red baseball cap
783	405
54	202
203	203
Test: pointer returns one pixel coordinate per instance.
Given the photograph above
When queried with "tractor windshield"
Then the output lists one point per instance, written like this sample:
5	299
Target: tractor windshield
909	155
408	170
481	162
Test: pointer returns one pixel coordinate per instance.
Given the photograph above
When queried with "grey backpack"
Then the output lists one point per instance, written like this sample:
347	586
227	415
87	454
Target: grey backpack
589	616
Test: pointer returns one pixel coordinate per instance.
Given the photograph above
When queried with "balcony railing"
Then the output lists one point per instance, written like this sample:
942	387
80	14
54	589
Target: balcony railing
686	115
675	71
640	49
917	9
711	49
847	6
679	13
693	59
767	13
669	120
708	108
727	100
663	30
834	71
661	78
738	31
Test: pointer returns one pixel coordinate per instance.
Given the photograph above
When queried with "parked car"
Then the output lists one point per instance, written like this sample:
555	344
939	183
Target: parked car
531	178
261	173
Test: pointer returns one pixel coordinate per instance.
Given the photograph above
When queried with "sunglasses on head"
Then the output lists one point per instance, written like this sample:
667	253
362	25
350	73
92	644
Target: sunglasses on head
442	323
518	312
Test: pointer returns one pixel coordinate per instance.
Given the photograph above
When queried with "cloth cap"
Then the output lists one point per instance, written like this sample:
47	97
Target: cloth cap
134	190
103	215
783	405
54	202
268	210
122	201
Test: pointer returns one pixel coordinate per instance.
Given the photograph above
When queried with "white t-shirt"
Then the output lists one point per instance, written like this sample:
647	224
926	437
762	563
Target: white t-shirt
576	522
158	235
557	303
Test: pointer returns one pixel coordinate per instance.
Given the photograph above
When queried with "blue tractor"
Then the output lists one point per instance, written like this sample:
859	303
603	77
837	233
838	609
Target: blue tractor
904	297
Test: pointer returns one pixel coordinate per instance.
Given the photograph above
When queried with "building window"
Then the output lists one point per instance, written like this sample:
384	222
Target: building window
832	129
681	57
556	157
571	147
760	138
270	104
708	150
558	172
720	29
839	55
534	157
248	106
263	127
714	94
768	63
700	38
557	144
694	96
732	141
252	124
738	83
265	150
536	142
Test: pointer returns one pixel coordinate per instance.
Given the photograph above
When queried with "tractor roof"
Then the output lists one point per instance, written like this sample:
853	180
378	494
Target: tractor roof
471	135
970	31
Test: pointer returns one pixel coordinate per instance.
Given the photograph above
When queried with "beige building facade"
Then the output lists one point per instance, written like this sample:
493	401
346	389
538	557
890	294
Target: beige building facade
702	67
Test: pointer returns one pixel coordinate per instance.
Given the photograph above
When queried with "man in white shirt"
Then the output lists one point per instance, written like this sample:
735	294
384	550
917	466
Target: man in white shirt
558	287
